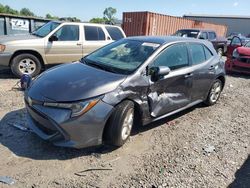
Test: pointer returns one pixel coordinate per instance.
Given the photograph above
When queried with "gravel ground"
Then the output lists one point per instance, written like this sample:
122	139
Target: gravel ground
200	147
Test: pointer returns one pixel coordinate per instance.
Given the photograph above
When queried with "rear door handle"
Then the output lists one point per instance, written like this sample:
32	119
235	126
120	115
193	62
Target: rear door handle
188	75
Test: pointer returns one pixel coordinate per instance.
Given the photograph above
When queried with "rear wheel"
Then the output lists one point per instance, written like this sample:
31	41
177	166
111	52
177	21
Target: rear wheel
25	64
214	93
120	124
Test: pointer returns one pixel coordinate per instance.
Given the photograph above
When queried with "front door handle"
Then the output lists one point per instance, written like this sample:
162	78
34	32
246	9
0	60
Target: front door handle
78	44
188	75
211	67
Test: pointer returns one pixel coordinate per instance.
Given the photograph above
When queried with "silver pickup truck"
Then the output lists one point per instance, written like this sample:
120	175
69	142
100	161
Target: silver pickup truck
54	43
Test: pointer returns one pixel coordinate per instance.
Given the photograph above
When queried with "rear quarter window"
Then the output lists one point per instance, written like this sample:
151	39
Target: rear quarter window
93	33
197	53
114	32
211	35
208	53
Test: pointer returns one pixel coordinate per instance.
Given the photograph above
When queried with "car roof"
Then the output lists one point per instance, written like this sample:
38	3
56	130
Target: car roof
196	29
165	39
84	23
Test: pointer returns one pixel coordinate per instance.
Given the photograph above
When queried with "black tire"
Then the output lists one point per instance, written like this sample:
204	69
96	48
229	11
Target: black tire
16	63
115	124
220	52
209	101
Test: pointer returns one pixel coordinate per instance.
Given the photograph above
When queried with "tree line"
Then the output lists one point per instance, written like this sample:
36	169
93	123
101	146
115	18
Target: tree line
108	15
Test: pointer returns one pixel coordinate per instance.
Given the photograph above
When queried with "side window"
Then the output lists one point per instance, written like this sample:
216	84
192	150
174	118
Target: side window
114	32
211	35
197	53
236	41
174	57
208	53
93	33
204	35
68	33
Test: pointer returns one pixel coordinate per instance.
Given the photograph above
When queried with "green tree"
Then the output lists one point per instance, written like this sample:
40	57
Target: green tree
26	12
49	16
7	10
109	13
97	20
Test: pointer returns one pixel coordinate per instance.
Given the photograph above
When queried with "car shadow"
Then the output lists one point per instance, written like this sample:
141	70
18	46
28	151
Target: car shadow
239	75
242	176
171	120
6	73
27	144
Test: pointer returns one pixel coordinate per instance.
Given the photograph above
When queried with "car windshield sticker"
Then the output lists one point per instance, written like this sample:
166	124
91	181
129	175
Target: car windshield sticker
149	44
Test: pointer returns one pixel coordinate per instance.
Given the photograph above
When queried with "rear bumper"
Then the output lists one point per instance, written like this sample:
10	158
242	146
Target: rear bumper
56	126
5	59
233	65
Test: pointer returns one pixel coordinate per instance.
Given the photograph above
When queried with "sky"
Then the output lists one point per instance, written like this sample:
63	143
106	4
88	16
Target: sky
85	10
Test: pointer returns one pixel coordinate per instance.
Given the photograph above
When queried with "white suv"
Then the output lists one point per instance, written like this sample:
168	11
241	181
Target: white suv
54	43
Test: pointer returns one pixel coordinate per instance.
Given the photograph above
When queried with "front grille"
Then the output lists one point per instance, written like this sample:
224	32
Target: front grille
244	60
238	68
42	122
44	129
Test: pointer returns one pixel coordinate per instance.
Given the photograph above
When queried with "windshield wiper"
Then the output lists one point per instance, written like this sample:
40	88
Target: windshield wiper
97	65
36	34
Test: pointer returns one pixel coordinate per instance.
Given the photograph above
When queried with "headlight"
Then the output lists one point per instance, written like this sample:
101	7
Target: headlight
2	48
236	54
76	108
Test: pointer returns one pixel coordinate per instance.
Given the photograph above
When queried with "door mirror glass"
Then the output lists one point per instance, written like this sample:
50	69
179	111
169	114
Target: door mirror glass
53	38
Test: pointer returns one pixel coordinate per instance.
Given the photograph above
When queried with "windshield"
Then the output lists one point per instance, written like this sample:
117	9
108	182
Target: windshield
187	33
247	44
46	29
123	56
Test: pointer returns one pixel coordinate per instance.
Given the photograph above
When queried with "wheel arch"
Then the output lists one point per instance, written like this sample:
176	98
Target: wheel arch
33	52
222	79
137	110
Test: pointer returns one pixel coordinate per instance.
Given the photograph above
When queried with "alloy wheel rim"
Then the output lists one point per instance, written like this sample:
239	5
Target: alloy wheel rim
127	124
215	92
27	66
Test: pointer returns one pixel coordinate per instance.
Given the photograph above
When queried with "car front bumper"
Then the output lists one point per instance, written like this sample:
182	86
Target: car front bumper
233	65
5	59
56	125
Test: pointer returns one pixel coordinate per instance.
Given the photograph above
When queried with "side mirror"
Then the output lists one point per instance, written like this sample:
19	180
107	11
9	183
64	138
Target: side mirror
201	37
158	72
53	38
162	70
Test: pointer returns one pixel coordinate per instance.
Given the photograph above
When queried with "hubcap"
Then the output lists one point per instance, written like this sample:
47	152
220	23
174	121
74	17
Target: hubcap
27	66
127	124
215	92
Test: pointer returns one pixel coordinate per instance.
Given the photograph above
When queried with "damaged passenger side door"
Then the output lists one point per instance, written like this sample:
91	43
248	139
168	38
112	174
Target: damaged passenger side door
170	92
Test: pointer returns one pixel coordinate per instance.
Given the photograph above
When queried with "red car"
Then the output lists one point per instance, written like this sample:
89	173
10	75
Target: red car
238	56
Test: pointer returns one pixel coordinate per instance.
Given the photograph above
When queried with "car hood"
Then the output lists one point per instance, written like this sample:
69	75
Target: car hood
244	51
10	38
73	82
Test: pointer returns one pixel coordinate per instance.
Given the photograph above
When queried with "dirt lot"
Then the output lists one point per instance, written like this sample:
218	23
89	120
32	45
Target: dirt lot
201	147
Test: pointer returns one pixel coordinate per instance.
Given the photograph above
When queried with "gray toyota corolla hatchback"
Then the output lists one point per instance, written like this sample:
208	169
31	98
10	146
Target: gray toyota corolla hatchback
98	99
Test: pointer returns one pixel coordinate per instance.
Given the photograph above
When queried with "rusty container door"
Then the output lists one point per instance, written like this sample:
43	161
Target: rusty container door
148	23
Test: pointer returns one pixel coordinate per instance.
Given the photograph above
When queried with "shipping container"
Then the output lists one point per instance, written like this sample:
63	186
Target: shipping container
14	24
148	23
235	24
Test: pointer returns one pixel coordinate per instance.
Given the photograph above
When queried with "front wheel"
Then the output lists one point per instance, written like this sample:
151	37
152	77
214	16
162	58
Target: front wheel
214	93
25	64
120	124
